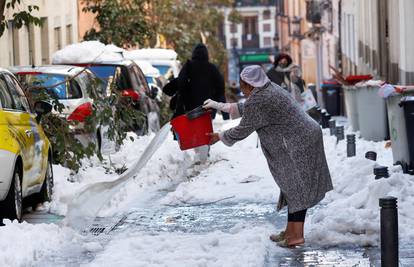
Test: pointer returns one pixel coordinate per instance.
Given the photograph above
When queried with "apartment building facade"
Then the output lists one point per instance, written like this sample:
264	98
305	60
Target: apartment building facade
292	28
377	39
35	45
253	41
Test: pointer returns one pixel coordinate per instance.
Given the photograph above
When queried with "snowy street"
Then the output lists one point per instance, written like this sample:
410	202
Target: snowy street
215	214
206	133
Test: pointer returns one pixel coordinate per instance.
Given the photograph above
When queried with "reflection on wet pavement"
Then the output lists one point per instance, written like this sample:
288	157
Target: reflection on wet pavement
336	257
194	219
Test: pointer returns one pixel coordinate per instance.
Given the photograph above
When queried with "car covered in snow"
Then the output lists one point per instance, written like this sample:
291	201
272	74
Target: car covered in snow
127	77
165	60
74	87
25	151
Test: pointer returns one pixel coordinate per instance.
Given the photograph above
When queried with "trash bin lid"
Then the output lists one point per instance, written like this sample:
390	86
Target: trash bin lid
353	79
407	98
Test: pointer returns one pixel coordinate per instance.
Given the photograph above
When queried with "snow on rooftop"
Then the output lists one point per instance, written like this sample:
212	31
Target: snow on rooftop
152	53
87	52
147	68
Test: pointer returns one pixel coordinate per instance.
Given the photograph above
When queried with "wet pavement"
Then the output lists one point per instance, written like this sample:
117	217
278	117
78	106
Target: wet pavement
208	218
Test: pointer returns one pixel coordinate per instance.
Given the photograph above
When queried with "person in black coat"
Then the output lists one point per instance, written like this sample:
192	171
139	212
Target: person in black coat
198	81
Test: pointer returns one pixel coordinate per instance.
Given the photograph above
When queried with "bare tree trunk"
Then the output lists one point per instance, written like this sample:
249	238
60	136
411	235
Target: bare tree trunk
2	6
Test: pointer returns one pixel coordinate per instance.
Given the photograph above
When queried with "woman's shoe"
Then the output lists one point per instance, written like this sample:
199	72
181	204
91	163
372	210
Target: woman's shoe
277	237
284	244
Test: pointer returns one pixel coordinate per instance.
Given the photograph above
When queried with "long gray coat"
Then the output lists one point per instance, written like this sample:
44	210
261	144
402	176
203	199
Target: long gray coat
291	142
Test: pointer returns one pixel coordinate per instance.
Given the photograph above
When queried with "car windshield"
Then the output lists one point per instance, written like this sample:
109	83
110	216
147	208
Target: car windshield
103	72
163	68
62	90
149	79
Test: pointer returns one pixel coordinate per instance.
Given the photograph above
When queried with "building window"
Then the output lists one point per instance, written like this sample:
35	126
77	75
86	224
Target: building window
58	38
45	41
32	50
266	27
267	41
234	42
14	51
69	34
250	25
233	28
266	14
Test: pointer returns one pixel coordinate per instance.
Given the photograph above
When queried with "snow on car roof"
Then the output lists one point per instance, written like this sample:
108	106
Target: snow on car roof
152	53
5	70
88	52
50	69
147	68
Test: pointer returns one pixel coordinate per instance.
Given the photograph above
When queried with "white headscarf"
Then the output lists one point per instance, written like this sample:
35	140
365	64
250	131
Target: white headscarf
255	76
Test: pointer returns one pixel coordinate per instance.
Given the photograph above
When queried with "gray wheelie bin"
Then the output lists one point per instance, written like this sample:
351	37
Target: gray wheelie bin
350	95
372	114
398	131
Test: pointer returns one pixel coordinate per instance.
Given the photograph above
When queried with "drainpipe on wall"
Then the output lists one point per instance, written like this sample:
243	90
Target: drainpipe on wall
319	62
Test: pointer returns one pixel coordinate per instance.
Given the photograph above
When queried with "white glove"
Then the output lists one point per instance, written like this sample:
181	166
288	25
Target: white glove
211	104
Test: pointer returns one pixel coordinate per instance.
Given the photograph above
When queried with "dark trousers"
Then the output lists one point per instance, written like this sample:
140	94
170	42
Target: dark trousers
298	216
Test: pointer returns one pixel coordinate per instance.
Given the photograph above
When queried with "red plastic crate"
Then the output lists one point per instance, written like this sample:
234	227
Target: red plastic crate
192	133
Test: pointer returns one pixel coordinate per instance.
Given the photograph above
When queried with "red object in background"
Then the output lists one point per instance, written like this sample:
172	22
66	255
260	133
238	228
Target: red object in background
131	93
353	79
81	112
192	133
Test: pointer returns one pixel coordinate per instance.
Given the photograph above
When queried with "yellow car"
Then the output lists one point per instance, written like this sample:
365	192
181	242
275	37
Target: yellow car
25	152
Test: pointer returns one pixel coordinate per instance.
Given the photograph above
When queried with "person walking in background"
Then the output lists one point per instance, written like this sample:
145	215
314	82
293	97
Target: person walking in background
198	81
280	72
292	143
297	84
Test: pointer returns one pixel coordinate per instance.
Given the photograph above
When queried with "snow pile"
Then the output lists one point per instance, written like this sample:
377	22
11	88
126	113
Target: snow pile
243	245
151	53
168	165
237	174
147	68
350	213
87	52
370	83
24	244
87	203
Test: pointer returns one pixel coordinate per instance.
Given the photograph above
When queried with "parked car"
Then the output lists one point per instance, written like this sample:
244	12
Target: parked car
165	60
76	94
154	78
25	151
127	77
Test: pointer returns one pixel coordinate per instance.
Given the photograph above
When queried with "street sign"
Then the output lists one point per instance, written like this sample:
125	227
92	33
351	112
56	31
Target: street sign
254	58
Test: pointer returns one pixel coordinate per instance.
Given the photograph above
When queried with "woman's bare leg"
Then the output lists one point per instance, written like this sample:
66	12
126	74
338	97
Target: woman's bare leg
295	228
294	233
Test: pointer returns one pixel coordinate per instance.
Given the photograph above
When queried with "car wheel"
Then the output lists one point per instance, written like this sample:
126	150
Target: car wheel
47	186
13	204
